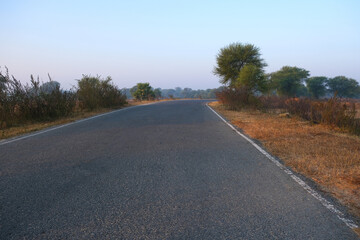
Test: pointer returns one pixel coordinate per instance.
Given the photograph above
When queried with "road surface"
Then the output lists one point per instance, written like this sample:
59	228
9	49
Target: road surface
172	170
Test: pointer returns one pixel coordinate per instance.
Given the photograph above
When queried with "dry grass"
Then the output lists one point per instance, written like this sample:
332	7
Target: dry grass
31	127
329	157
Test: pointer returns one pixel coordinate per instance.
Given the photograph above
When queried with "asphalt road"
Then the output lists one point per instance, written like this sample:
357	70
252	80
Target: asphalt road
171	170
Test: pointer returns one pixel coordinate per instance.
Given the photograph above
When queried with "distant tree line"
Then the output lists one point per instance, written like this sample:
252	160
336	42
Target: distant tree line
294	81
240	66
143	91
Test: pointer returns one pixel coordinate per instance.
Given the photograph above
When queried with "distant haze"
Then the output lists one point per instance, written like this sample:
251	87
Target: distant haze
174	43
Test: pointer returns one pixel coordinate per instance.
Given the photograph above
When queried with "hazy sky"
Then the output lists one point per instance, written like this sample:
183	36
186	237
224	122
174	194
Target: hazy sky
174	43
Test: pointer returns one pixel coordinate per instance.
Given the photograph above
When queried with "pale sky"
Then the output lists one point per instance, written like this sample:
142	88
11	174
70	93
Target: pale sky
174	43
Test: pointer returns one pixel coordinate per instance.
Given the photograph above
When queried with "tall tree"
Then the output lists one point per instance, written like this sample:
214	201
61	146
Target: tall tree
288	80
302	91
232	58
316	86
344	87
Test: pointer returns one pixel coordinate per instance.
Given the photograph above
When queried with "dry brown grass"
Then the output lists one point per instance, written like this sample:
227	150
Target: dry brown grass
329	157
357	106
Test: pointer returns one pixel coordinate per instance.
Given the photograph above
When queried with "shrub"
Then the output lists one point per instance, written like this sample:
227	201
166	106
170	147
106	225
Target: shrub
143	91
272	102
94	92
237	98
334	111
21	103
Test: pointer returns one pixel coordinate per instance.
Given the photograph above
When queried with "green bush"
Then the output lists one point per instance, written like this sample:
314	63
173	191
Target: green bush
143	91
94	92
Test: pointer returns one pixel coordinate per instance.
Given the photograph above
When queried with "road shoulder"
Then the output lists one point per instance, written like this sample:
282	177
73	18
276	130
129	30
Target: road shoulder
252	126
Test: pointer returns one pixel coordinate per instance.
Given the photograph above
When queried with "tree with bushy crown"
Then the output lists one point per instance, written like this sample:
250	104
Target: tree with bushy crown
143	91
316	86
344	87
232	58
252	78
288	80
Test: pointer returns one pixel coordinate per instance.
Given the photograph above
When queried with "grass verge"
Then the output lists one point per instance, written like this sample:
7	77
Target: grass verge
326	155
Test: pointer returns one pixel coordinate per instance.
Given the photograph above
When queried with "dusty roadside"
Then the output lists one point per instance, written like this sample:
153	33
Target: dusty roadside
328	156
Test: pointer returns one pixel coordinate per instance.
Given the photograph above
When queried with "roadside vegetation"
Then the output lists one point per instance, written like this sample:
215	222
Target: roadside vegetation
36	105
311	123
316	99
41	102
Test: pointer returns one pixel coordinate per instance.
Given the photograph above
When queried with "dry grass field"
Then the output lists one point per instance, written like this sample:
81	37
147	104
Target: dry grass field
325	154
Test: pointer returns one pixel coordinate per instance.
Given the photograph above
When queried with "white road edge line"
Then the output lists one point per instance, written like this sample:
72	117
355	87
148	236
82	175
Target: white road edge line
315	194
4	142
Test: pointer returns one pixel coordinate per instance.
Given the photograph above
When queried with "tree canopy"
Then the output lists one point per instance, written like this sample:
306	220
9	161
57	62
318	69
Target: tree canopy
288	80
344	87
252	78
316	86
232	58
